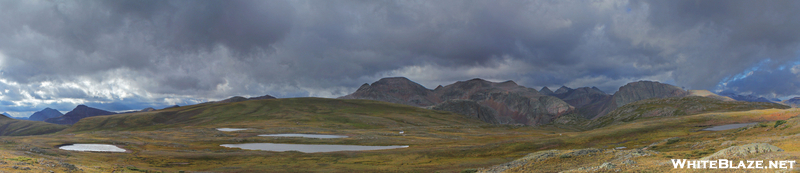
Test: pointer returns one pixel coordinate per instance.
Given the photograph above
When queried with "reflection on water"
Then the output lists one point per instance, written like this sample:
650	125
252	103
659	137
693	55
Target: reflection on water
305	135
729	126
307	148
92	147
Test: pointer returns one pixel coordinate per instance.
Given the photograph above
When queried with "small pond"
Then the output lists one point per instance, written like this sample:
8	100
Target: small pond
307	148
230	129
92	147
729	126
305	135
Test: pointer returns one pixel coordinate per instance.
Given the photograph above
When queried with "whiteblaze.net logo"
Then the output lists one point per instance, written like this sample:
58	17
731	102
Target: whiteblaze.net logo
730	164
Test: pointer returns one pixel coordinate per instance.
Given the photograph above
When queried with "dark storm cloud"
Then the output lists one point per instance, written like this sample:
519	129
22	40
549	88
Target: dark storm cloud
742	33
129	54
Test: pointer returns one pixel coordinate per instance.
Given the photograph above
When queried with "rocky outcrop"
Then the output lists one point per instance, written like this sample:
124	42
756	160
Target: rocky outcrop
742	151
45	114
534	162
503	103
80	112
395	90
546	91
533	157
562	90
641	90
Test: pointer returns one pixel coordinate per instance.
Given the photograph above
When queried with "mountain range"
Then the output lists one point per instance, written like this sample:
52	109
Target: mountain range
80	112
499	103
509	103
491	102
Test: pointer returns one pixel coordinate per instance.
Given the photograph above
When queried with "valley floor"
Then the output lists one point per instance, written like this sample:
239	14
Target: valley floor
649	146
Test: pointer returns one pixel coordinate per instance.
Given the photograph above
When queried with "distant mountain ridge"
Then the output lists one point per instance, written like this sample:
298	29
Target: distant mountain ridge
500	103
546	91
44	114
749	98
80	112
793	102
240	98
509	103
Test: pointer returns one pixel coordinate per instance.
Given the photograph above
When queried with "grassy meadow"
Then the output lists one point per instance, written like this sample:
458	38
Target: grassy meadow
185	139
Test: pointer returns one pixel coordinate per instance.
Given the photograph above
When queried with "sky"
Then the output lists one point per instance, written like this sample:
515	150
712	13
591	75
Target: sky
132	54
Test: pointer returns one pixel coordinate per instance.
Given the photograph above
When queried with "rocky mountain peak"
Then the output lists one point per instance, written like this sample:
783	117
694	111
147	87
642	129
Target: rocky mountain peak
45	114
80	112
641	90
546	91
261	97
562	90
363	87
396	90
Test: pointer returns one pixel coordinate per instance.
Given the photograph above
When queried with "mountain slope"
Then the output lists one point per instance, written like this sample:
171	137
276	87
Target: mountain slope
290	112
80	112
709	94
793	102
676	106
589	102
562	90
14	127
546	91
511	101
45	114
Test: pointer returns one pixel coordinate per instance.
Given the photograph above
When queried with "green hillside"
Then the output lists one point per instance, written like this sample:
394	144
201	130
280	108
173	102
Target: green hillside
676	106
14	127
290	112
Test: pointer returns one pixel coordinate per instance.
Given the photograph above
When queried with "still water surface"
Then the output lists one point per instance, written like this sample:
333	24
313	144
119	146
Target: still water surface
729	126
305	135
308	148
92	147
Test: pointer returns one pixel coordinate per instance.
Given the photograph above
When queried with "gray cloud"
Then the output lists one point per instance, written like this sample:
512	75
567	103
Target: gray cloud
130	54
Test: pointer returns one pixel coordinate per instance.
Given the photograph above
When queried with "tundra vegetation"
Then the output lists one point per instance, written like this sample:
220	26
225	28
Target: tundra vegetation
186	139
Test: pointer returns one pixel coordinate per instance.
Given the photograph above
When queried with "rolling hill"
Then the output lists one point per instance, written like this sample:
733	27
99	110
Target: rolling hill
676	106
14	127
315	112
